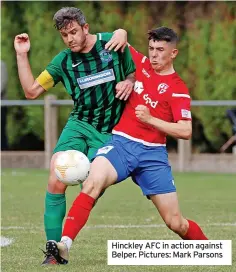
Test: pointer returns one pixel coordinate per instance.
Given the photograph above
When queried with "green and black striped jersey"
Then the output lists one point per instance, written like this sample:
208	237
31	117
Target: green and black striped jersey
90	79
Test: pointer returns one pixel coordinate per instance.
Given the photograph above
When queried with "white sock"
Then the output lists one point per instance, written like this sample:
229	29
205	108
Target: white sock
66	240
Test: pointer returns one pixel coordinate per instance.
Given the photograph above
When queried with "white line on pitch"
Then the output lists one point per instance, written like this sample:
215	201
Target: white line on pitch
118	226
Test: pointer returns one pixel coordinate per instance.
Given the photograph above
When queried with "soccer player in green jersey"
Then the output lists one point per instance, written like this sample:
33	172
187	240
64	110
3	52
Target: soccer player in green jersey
98	81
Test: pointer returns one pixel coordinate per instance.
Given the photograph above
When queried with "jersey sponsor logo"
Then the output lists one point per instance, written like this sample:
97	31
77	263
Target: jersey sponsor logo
138	87
145	73
76	64
148	100
185	113
105	55
162	88
96	79
105	149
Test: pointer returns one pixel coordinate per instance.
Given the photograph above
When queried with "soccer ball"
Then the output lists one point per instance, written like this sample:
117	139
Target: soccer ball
72	167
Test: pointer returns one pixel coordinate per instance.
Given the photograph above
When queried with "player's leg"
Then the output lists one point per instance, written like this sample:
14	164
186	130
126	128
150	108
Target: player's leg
102	174
168	207
112	164
55	200
156	181
107	168
55	204
94	140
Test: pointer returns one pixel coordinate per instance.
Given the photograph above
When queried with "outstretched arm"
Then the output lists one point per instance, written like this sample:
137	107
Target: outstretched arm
31	87
118	40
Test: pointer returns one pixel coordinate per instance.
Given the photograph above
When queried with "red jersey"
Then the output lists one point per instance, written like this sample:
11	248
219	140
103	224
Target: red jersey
166	96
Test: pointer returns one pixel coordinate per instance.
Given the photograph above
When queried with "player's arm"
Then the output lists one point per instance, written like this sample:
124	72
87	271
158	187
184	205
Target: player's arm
31	87
119	40
182	129
179	102
125	88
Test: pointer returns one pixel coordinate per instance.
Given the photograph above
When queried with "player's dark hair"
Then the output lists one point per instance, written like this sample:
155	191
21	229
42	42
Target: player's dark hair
66	15
163	34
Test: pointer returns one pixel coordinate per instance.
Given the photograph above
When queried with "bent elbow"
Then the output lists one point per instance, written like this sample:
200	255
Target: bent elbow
31	94
188	134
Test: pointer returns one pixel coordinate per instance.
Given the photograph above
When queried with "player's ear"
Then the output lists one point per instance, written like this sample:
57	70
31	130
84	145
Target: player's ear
86	29
174	53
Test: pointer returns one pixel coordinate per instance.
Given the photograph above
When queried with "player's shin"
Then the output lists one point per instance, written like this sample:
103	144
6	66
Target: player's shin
55	209
77	217
194	232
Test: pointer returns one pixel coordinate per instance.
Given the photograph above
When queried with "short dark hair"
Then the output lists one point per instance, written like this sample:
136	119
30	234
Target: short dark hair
163	34
66	15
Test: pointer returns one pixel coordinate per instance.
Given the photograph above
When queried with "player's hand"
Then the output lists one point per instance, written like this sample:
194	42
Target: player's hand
117	41
124	89
22	43
143	113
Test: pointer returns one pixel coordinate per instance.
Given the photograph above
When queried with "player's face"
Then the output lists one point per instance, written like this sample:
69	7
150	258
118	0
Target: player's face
161	55
74	36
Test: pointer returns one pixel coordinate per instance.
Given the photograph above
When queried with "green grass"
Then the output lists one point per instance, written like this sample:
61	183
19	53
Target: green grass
208	199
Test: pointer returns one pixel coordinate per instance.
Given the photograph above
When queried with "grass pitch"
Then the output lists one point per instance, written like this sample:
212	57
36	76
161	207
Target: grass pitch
122	213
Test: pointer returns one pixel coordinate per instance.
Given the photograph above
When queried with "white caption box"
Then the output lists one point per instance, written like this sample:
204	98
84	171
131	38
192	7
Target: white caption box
169	252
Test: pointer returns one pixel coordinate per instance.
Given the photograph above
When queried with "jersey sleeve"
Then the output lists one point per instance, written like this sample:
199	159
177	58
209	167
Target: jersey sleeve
180	103
52	74
137	57
127	61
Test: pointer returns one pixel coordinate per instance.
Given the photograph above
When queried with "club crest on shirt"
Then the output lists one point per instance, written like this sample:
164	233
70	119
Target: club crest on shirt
162	88
105	55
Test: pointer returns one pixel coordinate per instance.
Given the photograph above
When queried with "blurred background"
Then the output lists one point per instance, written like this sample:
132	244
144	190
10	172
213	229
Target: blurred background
206	61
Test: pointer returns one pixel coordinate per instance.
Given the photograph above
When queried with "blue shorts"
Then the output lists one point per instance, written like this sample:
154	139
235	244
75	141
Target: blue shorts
147	165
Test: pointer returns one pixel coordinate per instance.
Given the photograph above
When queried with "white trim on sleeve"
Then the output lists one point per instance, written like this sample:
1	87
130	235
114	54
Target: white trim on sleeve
180	95
143	59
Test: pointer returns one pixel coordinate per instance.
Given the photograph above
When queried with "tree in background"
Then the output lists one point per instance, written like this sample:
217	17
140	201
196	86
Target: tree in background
211	66
206	62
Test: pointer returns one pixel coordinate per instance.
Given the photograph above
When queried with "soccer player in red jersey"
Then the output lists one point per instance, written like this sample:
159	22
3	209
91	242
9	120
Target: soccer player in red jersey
158	106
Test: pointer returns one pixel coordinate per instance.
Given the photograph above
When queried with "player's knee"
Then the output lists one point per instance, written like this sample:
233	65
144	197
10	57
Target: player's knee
54	185
176	224
93	186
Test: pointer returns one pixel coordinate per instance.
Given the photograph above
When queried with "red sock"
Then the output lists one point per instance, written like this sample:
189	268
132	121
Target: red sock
78	215
194	232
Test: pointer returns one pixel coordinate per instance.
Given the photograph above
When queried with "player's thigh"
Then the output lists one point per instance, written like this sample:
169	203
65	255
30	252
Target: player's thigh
95	141
167	205
121	158
71	139
102	174
92	152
